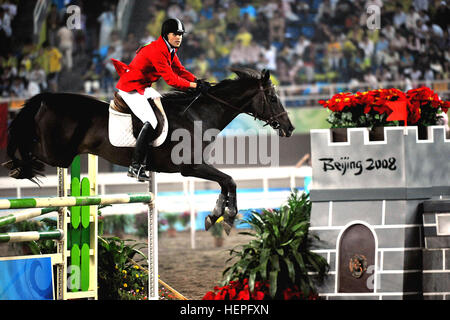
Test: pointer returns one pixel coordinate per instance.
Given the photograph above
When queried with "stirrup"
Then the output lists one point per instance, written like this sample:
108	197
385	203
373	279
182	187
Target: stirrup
138	173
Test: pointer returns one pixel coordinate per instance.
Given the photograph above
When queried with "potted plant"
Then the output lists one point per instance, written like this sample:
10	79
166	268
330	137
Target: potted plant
185	218
217	232
372	109
172	219
278	263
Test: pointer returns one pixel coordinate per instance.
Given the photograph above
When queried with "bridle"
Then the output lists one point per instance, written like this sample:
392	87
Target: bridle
272	121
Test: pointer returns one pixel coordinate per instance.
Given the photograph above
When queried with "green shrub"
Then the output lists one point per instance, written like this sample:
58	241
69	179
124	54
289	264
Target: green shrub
280	252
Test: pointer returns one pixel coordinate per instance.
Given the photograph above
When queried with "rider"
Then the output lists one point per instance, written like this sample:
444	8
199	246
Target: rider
153	61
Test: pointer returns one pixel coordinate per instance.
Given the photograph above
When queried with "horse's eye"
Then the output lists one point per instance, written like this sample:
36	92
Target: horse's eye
273	99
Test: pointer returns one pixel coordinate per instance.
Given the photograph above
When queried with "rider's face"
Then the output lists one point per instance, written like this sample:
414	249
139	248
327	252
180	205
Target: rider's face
175	39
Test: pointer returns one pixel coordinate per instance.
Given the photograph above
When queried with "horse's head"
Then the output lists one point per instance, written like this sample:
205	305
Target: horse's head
266	105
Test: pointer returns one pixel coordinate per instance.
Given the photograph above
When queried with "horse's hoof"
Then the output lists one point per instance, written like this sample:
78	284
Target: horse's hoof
208	223
227	227
228	220
8	165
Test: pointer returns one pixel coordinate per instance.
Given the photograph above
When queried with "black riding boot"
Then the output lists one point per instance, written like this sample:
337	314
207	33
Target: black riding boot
138	163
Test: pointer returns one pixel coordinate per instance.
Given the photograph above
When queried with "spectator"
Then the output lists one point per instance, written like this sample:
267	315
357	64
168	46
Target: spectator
442	15
146	39
420	5
283	72
277	27
189	12
301	45
269	55
343	9
18	88
37	80
389	32
253	53
5	32
325	12
411	19
286	6
207	10
129	48
53	23
244	36
65	45
91	80
269	9
174	11
52	64
107	22
296	68
309	58
248	9
260	28
399	16
238	54
421	29
5	22
232	17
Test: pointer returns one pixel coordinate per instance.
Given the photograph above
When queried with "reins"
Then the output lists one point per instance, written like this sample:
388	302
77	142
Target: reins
241	109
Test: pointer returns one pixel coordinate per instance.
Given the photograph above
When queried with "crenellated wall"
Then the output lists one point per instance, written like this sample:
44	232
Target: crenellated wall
368	196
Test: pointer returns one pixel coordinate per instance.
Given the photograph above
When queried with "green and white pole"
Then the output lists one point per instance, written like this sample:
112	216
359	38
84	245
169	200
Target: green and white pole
75	201
24	215
31	236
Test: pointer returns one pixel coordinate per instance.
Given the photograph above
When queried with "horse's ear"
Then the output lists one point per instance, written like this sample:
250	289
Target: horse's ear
265	75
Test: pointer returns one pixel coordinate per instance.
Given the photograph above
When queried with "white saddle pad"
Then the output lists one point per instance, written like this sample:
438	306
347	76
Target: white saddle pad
120	130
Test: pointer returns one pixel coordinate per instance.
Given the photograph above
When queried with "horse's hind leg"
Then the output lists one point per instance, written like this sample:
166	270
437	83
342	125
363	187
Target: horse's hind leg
227	198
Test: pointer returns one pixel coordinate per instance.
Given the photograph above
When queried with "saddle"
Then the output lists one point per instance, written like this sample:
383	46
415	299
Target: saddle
121	133
119	105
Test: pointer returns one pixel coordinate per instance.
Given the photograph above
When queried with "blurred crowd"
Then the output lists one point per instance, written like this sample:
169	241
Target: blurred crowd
301	42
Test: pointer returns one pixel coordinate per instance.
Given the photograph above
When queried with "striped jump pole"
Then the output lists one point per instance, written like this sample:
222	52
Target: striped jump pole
31	236
75	201
17	217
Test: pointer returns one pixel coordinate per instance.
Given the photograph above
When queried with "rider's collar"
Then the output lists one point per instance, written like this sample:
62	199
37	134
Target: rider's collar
171	49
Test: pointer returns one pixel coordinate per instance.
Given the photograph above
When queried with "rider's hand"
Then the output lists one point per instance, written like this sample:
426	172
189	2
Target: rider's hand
203	86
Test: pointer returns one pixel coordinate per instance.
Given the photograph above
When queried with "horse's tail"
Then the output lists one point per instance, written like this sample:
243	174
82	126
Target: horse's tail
21	137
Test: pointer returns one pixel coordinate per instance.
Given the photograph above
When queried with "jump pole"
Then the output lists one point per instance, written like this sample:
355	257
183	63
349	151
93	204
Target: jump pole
31	236
153	292
75	201
17	217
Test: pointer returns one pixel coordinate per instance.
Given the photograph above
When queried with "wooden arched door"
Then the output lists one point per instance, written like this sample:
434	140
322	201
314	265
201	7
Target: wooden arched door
356	255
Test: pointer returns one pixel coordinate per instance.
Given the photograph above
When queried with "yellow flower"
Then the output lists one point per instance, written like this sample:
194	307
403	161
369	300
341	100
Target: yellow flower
124	271
125	285
136	267
137	290
137	275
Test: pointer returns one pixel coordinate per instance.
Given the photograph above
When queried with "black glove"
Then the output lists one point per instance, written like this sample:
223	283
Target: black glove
203	86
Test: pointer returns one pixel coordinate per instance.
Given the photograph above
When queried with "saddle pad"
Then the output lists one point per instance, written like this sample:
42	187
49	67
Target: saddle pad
120	129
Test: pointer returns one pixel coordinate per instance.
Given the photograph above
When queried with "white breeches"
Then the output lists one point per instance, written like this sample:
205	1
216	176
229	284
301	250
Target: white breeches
140	106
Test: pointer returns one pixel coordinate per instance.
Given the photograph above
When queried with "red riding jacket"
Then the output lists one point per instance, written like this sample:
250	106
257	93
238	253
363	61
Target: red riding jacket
152	62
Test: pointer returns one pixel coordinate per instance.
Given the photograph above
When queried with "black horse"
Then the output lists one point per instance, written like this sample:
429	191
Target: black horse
54	128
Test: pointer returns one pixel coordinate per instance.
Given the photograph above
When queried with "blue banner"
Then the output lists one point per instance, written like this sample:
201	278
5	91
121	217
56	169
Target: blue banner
27	279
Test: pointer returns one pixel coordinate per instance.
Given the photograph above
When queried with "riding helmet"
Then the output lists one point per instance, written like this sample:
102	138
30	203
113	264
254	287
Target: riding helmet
172	25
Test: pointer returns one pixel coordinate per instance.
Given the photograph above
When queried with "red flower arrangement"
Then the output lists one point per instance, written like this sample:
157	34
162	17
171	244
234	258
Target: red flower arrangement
237	290
370	109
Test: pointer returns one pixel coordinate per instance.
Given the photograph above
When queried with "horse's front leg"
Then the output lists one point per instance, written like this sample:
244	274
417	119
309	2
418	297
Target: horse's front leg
227	197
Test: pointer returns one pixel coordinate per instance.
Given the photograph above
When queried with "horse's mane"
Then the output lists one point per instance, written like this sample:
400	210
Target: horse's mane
245	77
